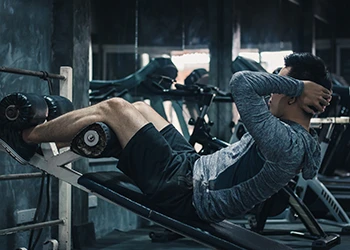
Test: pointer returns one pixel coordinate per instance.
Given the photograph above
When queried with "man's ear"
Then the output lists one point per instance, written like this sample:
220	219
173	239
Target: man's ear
292	100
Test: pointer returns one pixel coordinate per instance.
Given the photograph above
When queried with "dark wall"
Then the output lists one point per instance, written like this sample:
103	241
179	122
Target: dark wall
342	19
113	22
176	23
41	36
282	21
166	25
269	25
257	26
25	42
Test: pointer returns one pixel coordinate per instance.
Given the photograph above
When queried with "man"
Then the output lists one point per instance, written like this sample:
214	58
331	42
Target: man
279	143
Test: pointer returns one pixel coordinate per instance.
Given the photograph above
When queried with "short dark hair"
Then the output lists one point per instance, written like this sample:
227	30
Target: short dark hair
306	66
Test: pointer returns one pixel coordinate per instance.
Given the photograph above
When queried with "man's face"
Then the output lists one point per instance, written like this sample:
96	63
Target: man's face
278	102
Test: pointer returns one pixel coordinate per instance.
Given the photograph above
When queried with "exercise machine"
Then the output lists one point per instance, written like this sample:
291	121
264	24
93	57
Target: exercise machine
104	89
204	96
117	189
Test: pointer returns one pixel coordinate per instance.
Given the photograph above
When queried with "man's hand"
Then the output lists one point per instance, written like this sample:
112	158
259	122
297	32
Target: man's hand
314	95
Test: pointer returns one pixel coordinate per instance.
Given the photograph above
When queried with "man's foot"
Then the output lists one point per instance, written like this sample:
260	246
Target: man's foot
96	141
11	140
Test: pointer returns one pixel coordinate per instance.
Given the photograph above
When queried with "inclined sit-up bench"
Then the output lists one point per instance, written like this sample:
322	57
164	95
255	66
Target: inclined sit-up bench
118	189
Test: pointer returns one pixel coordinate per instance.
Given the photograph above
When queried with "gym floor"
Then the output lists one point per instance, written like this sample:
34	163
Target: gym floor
139	239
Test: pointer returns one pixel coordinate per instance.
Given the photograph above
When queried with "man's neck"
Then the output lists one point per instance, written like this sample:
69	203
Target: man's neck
303	122
298	118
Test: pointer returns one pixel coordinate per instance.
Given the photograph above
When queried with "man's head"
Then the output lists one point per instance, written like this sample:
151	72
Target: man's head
301	66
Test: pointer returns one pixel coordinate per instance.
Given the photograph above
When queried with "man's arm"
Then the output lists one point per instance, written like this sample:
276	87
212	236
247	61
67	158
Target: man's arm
248	89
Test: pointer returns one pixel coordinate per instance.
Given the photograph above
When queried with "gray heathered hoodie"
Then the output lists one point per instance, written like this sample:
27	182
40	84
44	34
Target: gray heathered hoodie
286	146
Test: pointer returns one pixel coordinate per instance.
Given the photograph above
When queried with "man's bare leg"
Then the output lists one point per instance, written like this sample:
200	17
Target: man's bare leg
151	115
124	119
108	144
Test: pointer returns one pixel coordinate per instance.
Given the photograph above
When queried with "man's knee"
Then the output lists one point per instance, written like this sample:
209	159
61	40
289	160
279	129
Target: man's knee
114	106
142	107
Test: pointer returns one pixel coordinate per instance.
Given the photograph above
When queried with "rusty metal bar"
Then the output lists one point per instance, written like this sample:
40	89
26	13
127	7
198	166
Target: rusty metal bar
41	74
14	230
20	176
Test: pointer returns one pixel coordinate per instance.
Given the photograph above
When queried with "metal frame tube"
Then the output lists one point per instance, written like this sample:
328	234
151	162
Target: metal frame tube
64	189
20	176
330	120
14	230
41	74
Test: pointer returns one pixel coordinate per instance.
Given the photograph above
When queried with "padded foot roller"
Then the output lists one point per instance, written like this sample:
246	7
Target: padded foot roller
57	105
22	110
96	141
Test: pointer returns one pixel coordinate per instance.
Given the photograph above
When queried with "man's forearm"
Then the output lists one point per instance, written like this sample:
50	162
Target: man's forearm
248	83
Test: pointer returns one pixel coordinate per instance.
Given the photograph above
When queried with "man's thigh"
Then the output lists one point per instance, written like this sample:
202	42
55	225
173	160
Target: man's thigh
162	173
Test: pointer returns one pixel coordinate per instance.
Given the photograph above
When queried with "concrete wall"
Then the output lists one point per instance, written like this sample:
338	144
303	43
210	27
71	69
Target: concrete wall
44	35
25	42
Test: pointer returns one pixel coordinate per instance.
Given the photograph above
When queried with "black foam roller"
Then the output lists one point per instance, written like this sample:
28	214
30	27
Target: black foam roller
22	110
58	105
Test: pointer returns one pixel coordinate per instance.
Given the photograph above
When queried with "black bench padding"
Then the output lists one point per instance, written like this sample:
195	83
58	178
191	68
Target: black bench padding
119	189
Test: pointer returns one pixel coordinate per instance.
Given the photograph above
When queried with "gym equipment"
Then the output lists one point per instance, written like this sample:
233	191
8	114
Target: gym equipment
204	95
57	105
241	63
58	165
22	111
334	135
98	141
335	153
194	76
157	75
116	188
224	235
201	134
105	89
64	195
110	186
121	184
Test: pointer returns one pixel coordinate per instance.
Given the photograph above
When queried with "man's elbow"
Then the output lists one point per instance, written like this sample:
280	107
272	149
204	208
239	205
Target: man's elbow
237	80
